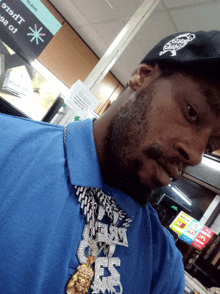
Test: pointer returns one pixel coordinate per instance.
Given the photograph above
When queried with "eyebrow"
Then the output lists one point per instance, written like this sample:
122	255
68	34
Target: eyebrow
211	100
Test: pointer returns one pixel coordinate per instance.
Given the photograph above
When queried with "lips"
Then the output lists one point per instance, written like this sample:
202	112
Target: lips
173	171
166	173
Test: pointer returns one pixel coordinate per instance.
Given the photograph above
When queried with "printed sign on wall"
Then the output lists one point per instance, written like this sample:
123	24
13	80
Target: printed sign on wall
27	26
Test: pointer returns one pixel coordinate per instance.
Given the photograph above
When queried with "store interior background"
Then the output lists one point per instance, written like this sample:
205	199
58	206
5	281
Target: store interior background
88	29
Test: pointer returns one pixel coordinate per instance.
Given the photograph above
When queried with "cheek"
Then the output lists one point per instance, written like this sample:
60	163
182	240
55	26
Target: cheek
158	124
164	125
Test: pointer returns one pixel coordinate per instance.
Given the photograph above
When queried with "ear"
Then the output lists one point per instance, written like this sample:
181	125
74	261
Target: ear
142	76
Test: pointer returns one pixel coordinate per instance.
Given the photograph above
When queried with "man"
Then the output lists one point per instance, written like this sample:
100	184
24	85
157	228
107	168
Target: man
55	218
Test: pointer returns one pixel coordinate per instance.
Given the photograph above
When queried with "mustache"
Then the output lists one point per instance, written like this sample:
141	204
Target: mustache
155	152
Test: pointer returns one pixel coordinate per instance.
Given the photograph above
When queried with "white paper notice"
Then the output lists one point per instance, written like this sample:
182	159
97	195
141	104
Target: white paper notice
81	99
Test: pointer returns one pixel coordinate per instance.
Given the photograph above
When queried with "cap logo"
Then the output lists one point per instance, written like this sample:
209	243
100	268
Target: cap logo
177	43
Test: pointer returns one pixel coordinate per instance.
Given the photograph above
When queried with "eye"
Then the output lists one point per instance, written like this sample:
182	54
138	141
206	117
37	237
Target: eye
192	113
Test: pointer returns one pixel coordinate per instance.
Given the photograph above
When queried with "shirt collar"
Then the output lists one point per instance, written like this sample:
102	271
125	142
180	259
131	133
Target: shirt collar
81	155
84	166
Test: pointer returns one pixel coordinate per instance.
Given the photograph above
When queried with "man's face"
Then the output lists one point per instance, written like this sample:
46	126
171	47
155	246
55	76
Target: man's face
155	136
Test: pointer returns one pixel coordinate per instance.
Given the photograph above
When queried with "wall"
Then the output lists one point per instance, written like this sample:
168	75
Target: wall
217	152
69	58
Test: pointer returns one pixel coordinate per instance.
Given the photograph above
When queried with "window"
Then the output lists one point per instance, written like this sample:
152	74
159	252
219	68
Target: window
23	87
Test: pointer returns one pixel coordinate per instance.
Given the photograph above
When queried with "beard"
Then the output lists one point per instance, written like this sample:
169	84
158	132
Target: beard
127	130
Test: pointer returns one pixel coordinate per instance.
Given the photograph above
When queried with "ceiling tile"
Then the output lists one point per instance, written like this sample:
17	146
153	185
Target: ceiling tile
158	26
159	6
128	62
197	18
104	10
70	12
179	3
92	39
109	30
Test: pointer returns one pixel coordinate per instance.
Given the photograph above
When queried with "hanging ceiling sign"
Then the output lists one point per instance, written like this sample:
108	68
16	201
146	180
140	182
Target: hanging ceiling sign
27	26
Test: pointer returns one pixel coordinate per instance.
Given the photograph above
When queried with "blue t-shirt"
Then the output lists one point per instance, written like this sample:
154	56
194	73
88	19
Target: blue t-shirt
41	223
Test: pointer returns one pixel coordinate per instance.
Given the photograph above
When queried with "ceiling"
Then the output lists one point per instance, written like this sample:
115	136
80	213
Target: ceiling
98	22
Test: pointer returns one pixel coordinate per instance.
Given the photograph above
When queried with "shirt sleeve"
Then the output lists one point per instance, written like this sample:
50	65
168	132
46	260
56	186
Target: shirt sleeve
23	145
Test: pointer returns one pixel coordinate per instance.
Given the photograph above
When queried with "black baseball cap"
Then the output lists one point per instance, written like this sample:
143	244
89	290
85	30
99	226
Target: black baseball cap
195	51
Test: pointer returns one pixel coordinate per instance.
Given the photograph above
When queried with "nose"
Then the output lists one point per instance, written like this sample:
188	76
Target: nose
192	145
190	154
